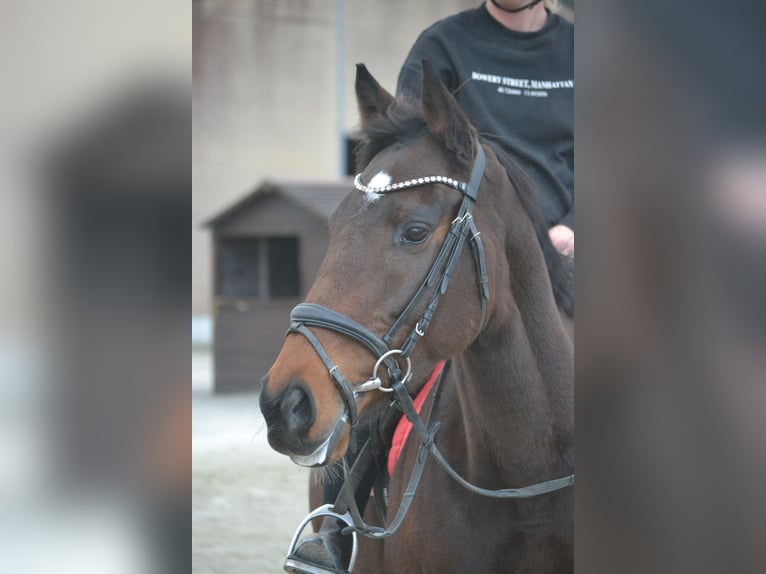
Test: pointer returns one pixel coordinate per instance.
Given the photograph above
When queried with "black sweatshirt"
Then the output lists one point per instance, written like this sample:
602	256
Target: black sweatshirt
516	88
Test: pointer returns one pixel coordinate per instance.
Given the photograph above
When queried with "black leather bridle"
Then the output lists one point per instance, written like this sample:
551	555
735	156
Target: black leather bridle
463	228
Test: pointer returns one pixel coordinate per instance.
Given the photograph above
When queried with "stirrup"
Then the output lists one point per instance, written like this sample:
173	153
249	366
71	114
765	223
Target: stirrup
296	565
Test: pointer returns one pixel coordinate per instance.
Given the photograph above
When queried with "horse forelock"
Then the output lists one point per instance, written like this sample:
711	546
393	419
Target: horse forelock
403	122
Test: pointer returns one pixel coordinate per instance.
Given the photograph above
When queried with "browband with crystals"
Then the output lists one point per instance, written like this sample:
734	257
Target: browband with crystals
459	185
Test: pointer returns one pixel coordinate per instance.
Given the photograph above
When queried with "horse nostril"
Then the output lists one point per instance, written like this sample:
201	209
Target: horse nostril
298	409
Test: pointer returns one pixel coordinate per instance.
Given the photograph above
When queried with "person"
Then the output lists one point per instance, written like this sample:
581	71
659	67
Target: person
510	65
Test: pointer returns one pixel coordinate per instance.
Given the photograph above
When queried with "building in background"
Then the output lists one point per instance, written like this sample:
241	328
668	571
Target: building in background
267	249
273	94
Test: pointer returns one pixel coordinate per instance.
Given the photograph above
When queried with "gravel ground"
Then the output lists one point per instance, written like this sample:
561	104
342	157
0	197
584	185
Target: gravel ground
247	499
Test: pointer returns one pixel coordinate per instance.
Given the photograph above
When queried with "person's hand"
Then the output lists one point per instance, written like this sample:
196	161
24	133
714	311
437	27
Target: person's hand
563	239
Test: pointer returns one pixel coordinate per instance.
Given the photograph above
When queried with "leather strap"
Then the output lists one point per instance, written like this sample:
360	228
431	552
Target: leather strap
462	227
315	315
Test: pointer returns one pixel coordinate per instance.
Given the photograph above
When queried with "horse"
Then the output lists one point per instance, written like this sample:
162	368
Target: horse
505	403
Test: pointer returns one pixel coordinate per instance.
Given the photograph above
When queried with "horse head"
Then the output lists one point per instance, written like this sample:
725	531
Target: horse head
387	244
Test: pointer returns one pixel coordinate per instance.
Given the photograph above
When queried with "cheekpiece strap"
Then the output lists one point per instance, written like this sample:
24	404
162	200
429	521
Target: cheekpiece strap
476	174
341	383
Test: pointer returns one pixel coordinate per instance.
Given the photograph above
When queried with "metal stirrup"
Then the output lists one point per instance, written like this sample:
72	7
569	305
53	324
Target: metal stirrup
296	565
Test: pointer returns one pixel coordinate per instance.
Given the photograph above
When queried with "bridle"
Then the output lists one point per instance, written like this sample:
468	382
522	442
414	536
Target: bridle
307	315
461	229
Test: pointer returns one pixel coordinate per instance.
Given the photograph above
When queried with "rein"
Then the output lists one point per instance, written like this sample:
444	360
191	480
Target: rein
347	501
307	315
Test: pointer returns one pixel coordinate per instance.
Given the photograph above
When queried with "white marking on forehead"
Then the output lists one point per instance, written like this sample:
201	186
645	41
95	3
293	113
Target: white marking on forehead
380	179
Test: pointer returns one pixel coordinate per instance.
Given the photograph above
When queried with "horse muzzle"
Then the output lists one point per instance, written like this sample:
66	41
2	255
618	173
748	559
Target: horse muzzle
290	416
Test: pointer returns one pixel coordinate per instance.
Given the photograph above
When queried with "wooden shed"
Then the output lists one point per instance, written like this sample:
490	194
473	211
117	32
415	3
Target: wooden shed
267	249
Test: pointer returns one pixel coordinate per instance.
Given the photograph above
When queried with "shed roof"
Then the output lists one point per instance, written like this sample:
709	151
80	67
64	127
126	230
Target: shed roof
319	197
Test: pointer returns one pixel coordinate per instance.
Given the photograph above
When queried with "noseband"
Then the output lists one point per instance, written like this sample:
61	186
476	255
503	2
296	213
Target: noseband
462	228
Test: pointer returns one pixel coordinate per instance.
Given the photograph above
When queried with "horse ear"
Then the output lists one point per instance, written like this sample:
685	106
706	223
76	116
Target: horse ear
371	97
445	117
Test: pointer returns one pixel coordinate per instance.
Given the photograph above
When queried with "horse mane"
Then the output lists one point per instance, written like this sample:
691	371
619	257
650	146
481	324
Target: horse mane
560	267
404	121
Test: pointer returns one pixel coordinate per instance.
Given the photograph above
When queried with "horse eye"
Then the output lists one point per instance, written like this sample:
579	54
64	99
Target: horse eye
415	234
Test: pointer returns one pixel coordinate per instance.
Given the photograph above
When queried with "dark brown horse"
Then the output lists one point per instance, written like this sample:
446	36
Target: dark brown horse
506	403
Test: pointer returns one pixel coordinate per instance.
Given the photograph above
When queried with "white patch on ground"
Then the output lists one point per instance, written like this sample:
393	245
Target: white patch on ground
380	179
